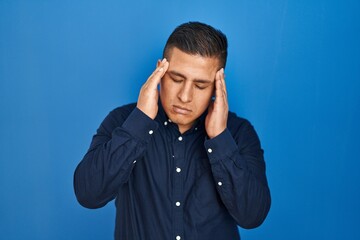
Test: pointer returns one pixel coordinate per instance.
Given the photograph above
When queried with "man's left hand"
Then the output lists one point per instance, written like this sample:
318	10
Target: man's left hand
216	119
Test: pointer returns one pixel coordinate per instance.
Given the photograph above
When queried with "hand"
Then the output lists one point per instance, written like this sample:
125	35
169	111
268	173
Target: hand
216	119
149	94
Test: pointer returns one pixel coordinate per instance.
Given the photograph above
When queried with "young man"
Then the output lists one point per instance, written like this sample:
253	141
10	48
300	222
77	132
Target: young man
178	164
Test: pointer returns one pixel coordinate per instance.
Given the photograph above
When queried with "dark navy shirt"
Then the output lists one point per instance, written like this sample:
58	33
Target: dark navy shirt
174	186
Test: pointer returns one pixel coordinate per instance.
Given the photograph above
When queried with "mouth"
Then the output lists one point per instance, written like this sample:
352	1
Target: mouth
181	110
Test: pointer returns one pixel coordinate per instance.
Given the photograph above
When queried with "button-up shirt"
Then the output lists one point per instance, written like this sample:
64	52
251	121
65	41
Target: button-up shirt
169	185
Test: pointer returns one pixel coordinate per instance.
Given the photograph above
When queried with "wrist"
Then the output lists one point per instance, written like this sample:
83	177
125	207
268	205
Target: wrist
215	133
151	113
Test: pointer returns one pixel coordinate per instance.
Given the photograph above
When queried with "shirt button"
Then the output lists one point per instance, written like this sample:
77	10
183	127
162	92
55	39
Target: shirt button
165	123
134	161
210	150
196	129
169	120
177	204
178	237
180	138
151	132
178	169
220	183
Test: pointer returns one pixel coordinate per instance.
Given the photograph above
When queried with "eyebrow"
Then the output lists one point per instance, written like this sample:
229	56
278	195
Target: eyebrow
172	72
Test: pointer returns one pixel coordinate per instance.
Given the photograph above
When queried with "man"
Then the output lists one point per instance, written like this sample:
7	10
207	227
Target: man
178	164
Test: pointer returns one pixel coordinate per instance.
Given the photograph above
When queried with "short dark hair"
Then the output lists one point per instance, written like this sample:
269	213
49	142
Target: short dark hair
198	39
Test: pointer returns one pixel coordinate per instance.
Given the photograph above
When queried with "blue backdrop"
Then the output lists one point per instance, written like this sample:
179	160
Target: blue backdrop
293	70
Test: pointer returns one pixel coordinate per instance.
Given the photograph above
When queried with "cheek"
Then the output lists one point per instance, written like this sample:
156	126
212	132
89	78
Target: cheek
203	99
167	89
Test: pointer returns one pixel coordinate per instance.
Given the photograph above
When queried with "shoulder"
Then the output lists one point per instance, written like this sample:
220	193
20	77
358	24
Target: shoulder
116	117
241	129
236	123
122	112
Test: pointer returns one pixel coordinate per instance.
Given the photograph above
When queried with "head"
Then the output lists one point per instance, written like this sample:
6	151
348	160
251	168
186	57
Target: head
197	38
195	52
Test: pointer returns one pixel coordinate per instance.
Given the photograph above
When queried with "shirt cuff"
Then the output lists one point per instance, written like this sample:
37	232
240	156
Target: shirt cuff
220	147
139	125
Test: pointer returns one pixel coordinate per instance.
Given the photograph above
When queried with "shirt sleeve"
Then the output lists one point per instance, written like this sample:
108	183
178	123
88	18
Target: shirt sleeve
238	168
111	157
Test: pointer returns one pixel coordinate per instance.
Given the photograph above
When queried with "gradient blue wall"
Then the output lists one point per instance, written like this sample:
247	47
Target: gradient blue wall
293	71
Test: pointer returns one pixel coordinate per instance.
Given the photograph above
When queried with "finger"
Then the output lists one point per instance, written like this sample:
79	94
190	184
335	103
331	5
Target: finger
159	72
222	79
159	66
218	85
219	93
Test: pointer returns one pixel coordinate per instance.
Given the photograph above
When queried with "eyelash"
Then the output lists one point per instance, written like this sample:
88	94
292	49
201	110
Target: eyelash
179	81
201	88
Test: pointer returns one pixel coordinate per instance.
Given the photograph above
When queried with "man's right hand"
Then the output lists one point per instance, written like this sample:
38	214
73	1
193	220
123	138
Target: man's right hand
149	94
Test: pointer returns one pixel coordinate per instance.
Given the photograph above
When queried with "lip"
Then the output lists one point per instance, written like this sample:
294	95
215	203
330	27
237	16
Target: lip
181	110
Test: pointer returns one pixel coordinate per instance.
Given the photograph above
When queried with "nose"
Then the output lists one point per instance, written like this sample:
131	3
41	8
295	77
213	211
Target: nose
185	94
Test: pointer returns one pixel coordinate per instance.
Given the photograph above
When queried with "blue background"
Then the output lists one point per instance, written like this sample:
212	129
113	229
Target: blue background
293	70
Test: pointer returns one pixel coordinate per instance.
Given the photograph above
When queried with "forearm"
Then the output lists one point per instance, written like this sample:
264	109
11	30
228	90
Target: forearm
110	160
240	177
104	169
246	197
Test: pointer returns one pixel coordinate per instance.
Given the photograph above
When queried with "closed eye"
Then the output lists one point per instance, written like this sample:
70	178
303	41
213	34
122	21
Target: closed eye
202	84
176	80
200	87
175	77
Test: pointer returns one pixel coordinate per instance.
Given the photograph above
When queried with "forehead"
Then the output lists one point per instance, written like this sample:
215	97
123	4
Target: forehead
192	66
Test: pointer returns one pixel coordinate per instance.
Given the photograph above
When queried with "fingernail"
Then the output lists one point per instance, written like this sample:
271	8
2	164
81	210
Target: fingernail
164	60
161	69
